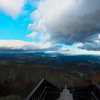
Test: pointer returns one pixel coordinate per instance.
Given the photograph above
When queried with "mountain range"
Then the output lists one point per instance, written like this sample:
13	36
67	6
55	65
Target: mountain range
58	60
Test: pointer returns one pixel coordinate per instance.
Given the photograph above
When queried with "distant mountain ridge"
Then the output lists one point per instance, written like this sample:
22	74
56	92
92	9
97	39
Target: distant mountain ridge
30	54
54	59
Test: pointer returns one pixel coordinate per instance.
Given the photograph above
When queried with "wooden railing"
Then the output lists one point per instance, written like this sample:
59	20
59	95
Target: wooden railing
44	91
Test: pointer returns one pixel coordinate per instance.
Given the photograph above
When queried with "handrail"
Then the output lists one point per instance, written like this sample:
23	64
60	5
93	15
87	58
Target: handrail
29	96
44	95
94	91
47	92
83	92
53	89
42	92
83	97
97	86
94	96
94	85
42	89
77	94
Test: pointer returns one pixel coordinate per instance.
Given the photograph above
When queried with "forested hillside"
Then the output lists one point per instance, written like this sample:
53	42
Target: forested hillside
21	78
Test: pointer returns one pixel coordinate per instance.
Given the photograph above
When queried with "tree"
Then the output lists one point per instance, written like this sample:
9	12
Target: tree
95	79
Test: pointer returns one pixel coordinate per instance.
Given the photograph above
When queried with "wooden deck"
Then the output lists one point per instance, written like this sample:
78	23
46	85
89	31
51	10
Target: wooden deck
65	95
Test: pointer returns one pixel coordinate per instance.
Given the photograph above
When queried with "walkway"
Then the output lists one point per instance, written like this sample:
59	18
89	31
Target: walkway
65	95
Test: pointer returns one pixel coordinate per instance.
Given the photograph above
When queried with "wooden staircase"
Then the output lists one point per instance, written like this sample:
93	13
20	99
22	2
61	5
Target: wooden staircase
65	95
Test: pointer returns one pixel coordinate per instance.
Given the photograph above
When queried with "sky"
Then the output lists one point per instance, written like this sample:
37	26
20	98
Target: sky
51	26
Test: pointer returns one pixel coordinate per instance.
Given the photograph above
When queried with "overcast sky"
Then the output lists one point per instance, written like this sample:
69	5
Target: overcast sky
59	26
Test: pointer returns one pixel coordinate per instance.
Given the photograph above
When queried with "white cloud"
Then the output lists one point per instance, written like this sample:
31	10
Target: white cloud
24	46
18	44
79	45
44	37
12	7
34	3
32	35
99	36
64	50
61	50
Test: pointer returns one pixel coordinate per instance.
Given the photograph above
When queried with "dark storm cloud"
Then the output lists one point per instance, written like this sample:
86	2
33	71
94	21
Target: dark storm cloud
68	21
95	46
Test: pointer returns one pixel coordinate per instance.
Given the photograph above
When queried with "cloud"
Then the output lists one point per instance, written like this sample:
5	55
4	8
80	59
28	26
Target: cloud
12	7
67	21
94	45
44	37
32	35
19	46
34	3
90	46
61	50
64	50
